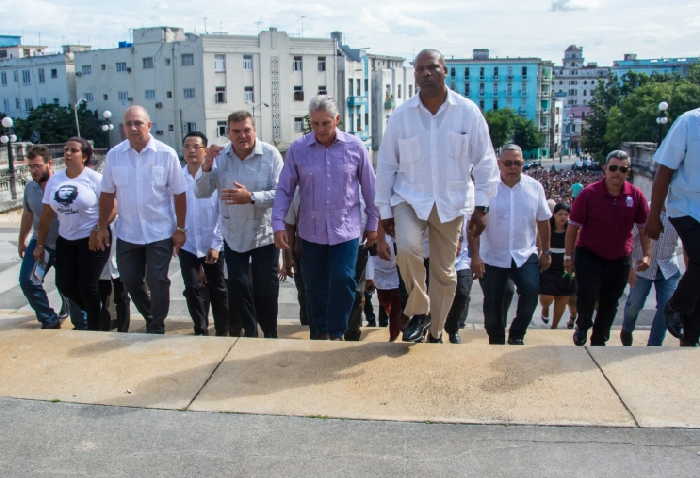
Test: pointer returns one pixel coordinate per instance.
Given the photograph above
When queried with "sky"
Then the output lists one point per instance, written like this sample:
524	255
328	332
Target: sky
606	29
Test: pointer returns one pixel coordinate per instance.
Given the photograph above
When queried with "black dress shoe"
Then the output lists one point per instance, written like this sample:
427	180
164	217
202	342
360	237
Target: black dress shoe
685	343
626	338
580	337
371	323
515	341
432	340
674	321
416	328
455	338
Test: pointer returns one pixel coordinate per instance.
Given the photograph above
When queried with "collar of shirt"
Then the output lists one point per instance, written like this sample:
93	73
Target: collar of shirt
450	99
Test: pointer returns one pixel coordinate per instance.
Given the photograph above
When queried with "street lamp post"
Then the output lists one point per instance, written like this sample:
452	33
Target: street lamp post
107	126
662	119
8	137
75	112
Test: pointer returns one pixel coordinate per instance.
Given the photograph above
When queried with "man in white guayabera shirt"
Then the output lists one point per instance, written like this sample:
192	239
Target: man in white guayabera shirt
433	143
144	176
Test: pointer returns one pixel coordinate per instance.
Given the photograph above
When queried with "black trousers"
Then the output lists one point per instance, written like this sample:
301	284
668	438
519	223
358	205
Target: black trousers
78	271
253	287
205	286
304	316
355	321
603	281
686	299
457	317
113	292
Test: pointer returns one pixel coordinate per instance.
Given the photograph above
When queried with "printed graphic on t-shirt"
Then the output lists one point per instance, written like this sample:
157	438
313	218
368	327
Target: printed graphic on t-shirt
65	196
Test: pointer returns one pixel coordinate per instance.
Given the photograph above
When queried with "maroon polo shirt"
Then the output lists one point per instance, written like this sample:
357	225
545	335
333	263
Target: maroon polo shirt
606	221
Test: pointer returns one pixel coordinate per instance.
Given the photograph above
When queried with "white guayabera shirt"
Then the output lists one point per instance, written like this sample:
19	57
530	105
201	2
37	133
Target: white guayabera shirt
144	184
203	221
427	159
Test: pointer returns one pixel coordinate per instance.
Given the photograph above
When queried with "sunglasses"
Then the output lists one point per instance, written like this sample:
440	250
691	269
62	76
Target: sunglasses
613	167
509	162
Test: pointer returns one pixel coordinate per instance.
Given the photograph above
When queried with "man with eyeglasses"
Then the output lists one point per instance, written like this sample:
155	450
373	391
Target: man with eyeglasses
143	175
602	218
519	214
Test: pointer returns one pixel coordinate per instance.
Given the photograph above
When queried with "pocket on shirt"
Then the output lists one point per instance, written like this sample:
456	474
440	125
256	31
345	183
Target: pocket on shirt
159	175
409	154
458	149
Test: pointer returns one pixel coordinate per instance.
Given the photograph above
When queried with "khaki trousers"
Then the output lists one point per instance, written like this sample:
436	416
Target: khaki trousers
443	239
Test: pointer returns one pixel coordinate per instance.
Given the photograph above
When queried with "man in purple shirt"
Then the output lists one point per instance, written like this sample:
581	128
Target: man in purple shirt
331	168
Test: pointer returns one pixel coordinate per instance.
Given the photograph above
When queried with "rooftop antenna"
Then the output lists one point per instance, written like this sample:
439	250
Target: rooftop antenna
301	25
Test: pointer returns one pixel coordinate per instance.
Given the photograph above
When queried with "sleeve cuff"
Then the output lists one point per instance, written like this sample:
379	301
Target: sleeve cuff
372	224
278	226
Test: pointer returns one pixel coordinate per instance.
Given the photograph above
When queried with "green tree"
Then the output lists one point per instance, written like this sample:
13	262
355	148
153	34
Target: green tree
52	123
527	135
501	124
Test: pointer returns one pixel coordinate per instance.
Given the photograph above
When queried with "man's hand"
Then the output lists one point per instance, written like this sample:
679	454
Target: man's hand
281	240
388	226
383	250
212	152
212	256
643	264
93	242
21	247
237	195
101	239
370	238
39	253
369	285
545	261
569	266
478	267
477	223
653	228
178	241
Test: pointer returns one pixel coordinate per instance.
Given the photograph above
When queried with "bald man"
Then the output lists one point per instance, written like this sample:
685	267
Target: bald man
143	175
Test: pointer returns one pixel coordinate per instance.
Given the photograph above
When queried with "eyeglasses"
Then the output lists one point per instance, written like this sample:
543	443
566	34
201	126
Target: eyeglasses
614	167
510	162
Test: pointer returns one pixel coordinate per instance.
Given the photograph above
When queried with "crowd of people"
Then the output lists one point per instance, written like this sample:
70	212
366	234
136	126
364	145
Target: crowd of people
442	210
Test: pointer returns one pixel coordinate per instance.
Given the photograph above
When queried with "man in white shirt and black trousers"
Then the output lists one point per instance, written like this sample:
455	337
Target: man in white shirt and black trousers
144	176
433	143
518	213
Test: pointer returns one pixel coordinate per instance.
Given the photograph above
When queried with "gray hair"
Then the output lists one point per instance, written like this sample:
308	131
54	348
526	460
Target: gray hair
512	147
323	103
617	154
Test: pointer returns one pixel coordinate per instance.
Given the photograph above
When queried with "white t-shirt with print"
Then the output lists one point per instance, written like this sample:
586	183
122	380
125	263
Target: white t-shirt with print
75	201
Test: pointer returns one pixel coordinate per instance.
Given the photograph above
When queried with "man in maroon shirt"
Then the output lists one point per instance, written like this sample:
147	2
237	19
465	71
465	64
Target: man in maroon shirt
604	214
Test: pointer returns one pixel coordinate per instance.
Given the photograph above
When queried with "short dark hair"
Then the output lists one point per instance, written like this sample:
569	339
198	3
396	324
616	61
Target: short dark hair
238	116
196	134
39	151
85	148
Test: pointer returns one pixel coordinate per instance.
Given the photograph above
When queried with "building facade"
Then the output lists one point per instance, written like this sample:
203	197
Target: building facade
523	85
354	91
574	84
658	66
393	82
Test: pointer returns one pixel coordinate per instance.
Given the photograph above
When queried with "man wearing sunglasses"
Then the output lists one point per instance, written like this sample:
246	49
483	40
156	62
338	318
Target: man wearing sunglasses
602	218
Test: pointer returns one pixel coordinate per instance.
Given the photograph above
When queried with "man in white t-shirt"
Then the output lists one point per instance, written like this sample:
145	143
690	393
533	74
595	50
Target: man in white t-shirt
144	176
518	214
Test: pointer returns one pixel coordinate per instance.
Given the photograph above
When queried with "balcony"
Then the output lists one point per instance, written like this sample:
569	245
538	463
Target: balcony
357	101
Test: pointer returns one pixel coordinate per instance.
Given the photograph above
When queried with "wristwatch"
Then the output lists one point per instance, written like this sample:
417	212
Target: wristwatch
482	209
567	258
547	253
181	229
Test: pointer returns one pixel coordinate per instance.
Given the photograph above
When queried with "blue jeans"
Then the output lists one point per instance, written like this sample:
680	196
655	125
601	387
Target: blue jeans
329	274
36	295
638	295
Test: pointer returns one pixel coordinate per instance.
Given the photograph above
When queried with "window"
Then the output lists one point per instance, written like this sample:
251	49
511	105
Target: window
26	77
105	97
28	104
150	94
3	78
351	84
509	89
167	62
171	127
573	92
89	97
410	90
481	104
298	93
467	89
248	62
86	69
248	95
298	124
221	128
147	62
120	66
103	67
168	94
398	91
366	120
359	87
481	73
298	63
359	123
495	104
186	59
42	75
453	71
523	92
523	71
220	94
188	92
481	89
366	85
466	73
321	63
585	92
15	75
219	63
55	101
123	96
495	72
322	90
573	82
17	106
6	104
190	126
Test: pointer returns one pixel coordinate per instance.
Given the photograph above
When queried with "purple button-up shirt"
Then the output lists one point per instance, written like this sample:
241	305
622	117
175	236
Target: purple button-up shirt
329	181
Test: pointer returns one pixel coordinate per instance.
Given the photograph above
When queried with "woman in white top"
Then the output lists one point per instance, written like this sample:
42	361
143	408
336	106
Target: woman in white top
73	196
